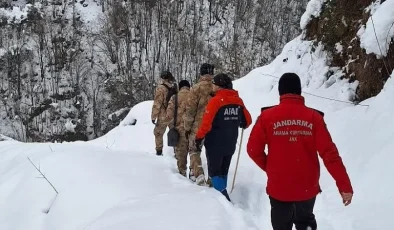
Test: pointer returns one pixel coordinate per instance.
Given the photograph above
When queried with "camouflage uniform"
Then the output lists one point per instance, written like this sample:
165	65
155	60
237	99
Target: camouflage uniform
159	114
181	149
195	108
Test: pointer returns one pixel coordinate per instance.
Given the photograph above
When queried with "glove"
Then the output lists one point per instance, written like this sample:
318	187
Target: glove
198	144
187	134
154	122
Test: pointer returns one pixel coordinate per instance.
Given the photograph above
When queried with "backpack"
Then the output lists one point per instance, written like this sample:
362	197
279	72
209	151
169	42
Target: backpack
173	134
171	91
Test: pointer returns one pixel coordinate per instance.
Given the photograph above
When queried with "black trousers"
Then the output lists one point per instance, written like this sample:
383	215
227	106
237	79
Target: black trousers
218	165
285	214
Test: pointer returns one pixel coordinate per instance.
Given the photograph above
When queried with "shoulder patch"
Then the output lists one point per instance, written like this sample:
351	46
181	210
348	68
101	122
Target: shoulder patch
268	107
320	112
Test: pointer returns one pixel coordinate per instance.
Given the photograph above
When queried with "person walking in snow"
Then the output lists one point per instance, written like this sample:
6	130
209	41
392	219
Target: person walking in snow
224	115
295	134
162	95
199	96
179	105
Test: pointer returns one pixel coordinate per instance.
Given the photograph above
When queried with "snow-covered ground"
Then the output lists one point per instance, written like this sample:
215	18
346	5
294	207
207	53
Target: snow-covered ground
117	182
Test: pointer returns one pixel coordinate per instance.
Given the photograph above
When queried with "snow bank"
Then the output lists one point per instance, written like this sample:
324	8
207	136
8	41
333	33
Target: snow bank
312	9
140	112
136	129
99	189
318	80
5	138
360	132
376	36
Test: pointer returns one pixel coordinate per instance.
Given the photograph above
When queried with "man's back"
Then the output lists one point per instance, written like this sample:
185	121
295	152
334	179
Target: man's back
224	114
198	99
160	103
182	98
292	128
195	107
295	134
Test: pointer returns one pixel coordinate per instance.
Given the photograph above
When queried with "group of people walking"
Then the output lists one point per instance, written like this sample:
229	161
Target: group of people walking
211	112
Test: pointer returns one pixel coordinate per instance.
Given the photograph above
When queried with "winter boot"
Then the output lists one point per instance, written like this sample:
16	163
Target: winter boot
191	176
183	173
225	193
219	183
209	182
225	180
201	180
159	152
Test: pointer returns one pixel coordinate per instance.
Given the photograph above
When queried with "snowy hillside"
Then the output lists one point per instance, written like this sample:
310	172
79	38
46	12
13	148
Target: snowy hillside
70	70
117	182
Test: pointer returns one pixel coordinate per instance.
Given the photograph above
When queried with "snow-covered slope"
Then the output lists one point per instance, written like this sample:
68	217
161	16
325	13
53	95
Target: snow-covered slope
360	131
376	39
116	181
99	189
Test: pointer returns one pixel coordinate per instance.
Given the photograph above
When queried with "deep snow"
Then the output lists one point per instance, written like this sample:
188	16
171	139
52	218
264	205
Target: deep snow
376	35
117	182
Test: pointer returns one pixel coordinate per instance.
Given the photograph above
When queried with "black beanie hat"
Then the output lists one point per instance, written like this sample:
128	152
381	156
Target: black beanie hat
223	80
166	75
289	83
183	83
206	69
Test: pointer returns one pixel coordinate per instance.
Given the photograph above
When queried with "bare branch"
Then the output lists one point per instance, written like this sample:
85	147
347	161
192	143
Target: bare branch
43	175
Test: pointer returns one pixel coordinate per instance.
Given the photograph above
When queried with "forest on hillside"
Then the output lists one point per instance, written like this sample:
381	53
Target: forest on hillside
71	70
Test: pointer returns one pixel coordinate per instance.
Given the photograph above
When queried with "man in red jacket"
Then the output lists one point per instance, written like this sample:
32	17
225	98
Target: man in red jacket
294	134
224	114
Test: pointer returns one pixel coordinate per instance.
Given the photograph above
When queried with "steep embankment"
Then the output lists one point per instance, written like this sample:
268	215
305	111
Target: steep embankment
358	36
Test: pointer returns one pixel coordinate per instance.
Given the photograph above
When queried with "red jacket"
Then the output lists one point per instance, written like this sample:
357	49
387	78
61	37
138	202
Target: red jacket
294	134
223	116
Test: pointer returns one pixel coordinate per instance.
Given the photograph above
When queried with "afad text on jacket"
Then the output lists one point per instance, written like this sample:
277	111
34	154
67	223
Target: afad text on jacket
224	115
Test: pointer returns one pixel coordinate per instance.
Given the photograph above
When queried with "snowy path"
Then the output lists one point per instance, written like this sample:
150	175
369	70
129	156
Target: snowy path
104	189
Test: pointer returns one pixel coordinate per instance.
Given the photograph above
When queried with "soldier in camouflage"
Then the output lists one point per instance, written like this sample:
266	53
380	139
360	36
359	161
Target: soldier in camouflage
199	96
181	149
158	115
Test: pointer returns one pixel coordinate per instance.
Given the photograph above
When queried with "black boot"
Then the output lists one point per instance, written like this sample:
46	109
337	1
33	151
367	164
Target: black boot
224	192
159	152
